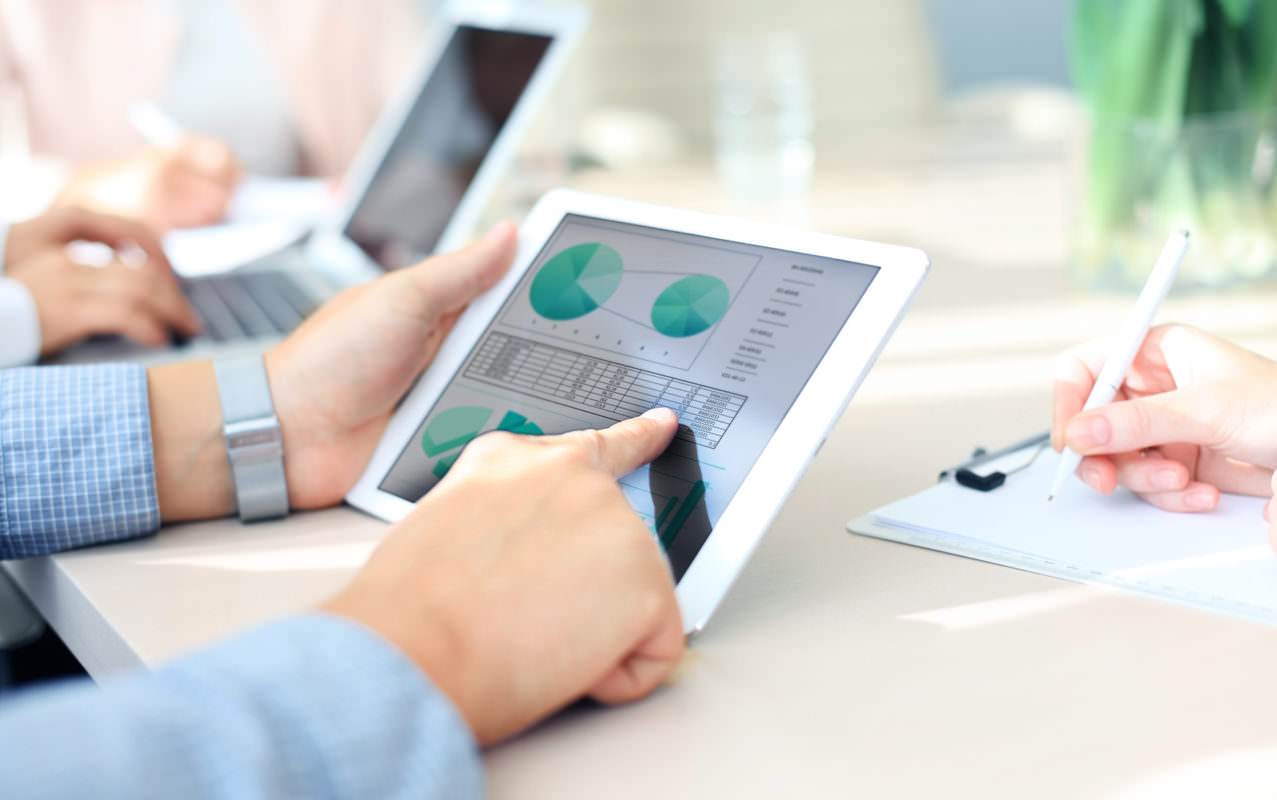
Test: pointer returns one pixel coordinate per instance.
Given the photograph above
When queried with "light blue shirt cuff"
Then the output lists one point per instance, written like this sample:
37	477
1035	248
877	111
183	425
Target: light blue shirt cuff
315	706
19	324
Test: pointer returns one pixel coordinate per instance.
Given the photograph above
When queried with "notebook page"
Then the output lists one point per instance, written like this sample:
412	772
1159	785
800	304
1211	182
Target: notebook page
1220	560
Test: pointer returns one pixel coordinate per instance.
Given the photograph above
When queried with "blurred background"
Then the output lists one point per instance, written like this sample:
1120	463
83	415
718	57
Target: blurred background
973	127
834	116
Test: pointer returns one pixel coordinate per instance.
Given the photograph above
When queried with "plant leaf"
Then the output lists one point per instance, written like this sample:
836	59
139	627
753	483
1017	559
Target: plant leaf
1237	11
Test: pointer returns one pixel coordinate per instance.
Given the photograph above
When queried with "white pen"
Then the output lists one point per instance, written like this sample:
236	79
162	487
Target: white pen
153	125
1128	343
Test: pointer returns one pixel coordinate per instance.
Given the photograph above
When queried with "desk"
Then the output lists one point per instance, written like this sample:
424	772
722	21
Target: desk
838	665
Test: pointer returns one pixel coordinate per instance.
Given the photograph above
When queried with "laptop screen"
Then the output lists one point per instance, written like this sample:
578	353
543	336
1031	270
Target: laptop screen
460	112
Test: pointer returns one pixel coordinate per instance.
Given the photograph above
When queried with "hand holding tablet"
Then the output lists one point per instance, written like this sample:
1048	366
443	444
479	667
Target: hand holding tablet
755	336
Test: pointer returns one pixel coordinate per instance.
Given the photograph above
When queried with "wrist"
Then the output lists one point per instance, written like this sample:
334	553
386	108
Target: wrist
427	643
317	453
192	476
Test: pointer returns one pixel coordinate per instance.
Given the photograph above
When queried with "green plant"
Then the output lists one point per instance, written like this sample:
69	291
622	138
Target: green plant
1156	75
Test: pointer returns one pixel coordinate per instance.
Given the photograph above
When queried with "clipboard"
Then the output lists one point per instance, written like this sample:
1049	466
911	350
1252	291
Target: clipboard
1219	561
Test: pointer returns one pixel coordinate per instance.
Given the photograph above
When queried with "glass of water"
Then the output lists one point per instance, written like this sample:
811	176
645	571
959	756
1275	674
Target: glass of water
762	118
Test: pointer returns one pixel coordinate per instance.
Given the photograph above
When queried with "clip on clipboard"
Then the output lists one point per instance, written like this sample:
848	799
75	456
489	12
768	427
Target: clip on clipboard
986	471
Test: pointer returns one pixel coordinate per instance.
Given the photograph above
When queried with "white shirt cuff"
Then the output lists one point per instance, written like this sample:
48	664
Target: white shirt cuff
19	325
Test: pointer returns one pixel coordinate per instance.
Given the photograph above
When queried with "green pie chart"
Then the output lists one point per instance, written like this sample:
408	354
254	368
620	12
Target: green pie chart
576	281
455	428
690	306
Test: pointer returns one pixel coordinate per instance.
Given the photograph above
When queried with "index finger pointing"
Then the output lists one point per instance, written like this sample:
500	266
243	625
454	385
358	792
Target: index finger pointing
628	445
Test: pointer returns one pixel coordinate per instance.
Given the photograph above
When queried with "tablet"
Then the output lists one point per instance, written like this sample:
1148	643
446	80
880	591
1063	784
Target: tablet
757	336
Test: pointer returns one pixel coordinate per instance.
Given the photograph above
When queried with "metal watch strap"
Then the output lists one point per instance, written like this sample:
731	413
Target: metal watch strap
254	445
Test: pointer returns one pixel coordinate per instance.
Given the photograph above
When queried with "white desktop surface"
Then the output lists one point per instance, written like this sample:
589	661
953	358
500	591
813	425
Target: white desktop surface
837	666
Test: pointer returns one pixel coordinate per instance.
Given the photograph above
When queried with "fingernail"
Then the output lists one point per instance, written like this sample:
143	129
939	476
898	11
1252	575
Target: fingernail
131	255
1199	501
1087	432
1091	477
660	412
496	231
1165	479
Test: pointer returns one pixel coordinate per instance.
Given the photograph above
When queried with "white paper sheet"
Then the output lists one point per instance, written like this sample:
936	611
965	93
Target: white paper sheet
217	248
265	216
1218	561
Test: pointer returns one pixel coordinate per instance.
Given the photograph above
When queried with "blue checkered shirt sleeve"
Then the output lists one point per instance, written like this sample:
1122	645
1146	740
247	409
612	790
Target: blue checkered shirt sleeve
315	706
76	461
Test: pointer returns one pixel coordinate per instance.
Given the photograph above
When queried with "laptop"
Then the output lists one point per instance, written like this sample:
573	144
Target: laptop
418	186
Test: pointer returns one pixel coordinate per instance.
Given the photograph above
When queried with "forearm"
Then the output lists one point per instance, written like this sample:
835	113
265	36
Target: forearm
192	476
101	453
311	707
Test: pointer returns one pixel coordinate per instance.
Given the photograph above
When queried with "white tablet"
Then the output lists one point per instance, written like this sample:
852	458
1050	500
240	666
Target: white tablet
757	336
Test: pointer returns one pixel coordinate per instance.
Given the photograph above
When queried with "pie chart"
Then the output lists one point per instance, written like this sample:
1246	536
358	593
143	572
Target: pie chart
457	427
453	429
690	306
576	281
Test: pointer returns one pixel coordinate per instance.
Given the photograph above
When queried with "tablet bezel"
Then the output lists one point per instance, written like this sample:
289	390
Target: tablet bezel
798	436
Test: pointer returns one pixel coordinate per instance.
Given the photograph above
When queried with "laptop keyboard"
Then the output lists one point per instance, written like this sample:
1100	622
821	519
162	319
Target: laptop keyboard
243	305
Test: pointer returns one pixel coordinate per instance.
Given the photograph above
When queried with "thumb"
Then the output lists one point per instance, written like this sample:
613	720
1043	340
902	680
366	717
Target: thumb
628	445
449	282
1172	417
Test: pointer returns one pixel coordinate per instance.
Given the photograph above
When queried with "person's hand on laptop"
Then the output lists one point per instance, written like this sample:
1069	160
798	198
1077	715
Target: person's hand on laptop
1196	416
334	382
183	186
524	580
133	293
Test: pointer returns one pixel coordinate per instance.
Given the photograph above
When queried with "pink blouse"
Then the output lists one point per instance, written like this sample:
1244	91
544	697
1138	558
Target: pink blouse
79	64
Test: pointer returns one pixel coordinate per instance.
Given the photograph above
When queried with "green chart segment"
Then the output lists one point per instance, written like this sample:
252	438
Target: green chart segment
455	428
694	496
690	306
576	281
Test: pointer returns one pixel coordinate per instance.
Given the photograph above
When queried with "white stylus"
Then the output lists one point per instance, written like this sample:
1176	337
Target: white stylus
1128	343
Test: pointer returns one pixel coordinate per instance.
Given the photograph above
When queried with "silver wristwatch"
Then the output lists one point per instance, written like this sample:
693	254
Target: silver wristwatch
254	445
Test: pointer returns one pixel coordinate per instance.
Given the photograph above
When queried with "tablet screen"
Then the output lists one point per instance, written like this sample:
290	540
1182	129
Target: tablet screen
613	319
456	119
